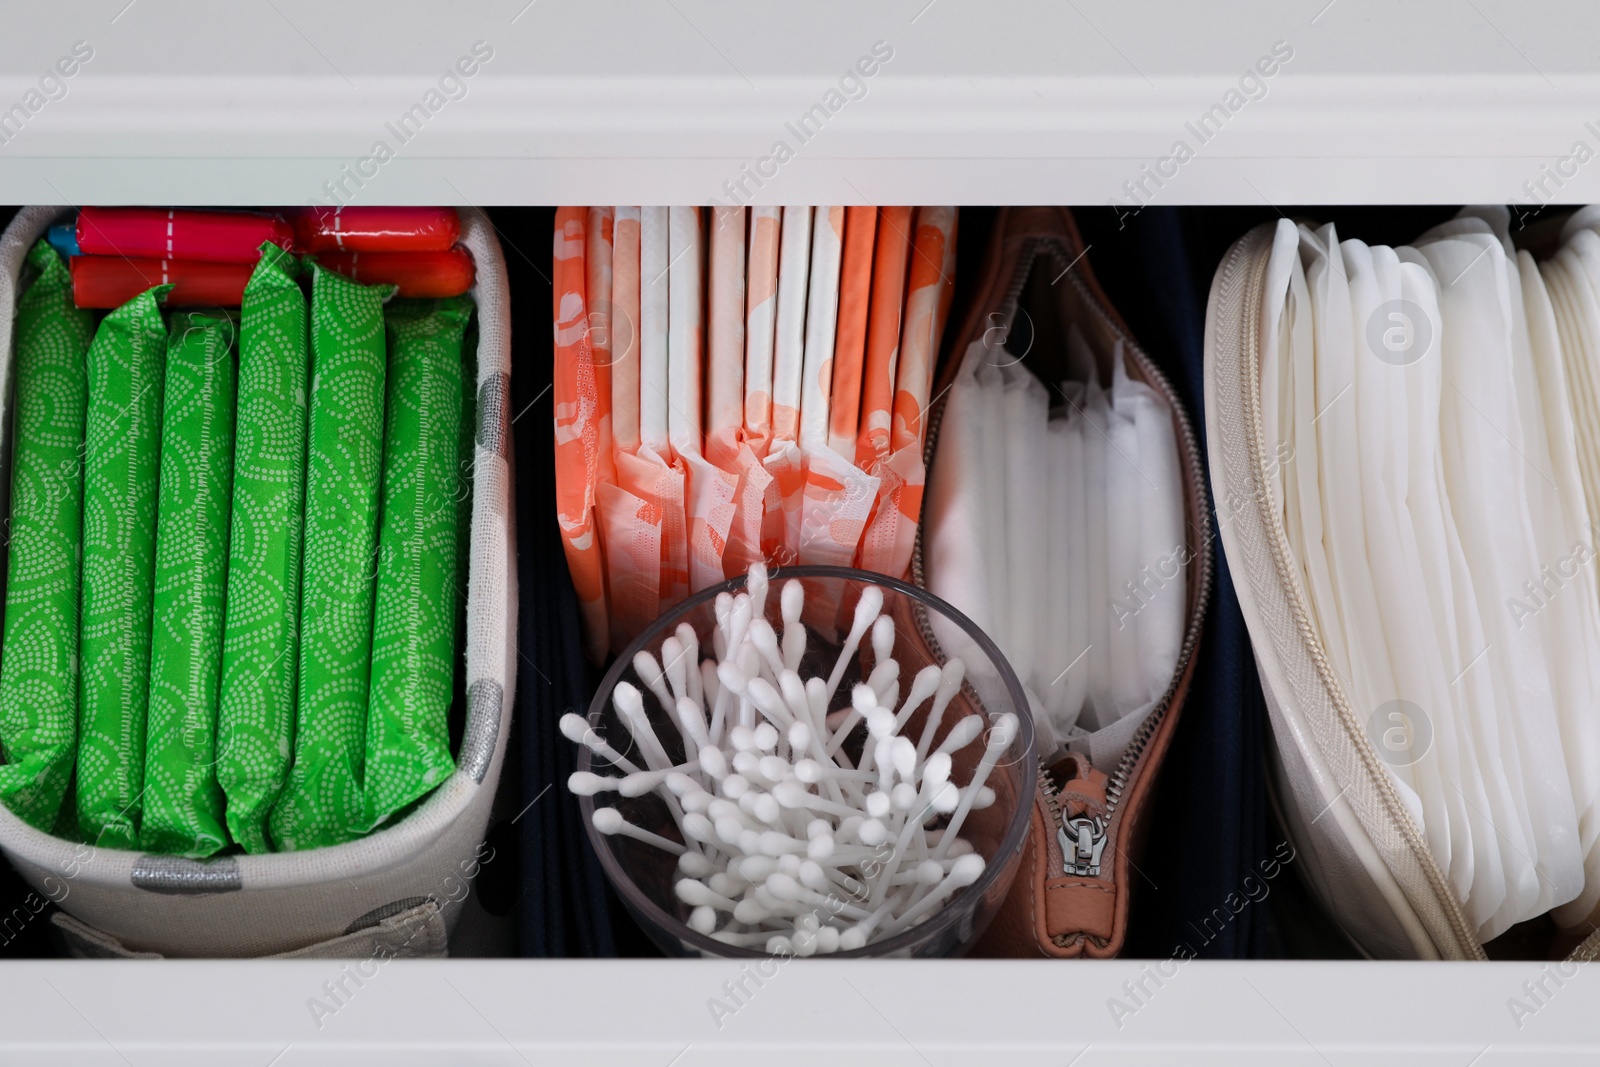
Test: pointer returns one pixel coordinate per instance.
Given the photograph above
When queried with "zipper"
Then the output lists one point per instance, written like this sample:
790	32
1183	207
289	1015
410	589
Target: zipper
1083	839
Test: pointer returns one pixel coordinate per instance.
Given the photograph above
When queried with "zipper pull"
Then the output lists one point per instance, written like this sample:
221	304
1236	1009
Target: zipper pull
1083	840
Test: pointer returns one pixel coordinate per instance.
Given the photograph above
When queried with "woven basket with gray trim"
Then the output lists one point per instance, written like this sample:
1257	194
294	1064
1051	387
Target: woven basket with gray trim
341	898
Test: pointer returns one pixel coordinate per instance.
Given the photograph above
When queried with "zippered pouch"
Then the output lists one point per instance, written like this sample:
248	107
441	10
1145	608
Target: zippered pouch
1065	514
1431	693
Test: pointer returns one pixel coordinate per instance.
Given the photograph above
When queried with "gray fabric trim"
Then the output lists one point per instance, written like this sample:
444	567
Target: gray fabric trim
183	877
485	701
492	425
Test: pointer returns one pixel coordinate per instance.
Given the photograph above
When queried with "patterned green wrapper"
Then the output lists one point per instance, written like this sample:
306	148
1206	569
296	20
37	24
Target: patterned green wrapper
466	466
255	726
39	656
414	620
122	457
322	804
182	801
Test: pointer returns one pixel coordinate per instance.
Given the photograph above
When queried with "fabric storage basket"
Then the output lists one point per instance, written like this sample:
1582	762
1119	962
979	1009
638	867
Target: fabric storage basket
395	892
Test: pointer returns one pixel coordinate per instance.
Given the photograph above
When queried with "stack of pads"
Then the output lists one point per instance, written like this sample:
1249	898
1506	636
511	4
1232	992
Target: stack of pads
237	560
735	385
1433	412
207	256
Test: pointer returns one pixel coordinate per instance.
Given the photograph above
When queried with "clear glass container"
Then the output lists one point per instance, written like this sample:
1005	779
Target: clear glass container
644	875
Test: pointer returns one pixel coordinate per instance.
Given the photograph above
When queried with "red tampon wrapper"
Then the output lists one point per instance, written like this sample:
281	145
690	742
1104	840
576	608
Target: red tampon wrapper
376	229
419	274
179	234
111	281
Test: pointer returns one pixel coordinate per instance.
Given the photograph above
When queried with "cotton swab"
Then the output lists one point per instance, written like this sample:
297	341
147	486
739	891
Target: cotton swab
610	821
576	728
1005	728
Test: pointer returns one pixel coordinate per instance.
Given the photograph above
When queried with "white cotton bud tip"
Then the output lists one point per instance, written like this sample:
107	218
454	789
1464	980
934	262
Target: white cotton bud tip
750	842
808	771
585	784
713	762
628	700
827	940
722	606
1001	734
878	805
962	734
774	843
984	798
735	786
742	738
966	869
774	768
789	863
904	757
767	808
936	771
873	833
789	794
883	638
880	724
697	827
699	800
849	828
702	920
574	727
946	800
756	869
783	886
729	829
637	785
672	664
680	784
863	699
693	721
903	796
607	820
930	872
750	913
692	892
722	809
868	608
818	827
646	667
793	600
799	737
732	678
817	697
778	945
766	737
695	865
820	847
852	939
747	763
812	875
764	637
727	883
960	847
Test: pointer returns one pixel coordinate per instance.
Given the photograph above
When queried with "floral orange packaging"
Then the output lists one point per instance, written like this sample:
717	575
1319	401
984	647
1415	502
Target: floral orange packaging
891	532
577	428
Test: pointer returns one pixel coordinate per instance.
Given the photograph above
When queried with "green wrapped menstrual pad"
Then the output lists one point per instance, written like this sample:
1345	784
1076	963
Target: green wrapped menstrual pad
414	622
322	802
182	801
255	727
122	455
39	657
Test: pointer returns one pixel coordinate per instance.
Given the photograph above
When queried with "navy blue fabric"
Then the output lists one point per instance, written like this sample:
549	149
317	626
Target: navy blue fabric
566	905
